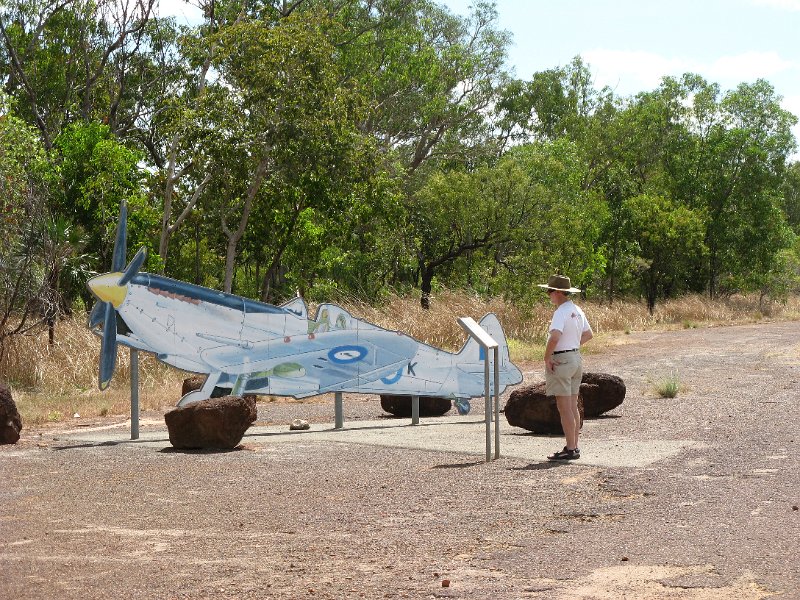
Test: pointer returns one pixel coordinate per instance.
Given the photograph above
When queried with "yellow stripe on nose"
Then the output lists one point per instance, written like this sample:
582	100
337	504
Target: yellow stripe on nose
105	287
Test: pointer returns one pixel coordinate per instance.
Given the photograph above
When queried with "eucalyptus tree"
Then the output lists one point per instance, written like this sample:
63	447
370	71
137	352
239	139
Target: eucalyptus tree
29	257
669	241
292	122
558	102
627	147
565	219
732	167
522	218
429	76
791	196
67	60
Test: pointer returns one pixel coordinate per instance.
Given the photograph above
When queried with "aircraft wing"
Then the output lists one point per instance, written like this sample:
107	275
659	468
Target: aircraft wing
331	360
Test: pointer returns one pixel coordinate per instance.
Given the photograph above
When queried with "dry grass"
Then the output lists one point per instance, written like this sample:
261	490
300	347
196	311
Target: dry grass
669	386
53	383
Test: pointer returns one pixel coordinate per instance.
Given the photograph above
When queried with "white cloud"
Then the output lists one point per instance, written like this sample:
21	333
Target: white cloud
792	104
748	66
629	72
790	5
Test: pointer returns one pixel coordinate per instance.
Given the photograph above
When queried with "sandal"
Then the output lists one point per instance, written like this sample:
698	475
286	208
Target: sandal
565	454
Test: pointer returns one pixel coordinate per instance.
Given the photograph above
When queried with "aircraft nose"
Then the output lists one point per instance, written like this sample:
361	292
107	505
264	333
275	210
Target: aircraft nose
106	288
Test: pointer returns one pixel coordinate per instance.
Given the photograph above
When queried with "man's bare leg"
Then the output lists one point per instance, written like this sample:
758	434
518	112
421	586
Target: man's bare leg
570	419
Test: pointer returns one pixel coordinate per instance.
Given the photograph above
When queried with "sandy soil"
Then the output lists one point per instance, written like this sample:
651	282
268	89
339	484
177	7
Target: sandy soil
328	519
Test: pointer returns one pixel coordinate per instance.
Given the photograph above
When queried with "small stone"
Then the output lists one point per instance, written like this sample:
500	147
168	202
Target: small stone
794	507
624	559
445	583
299	424
76	416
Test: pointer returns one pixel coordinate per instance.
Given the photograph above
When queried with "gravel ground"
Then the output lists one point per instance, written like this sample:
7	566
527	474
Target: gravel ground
322	519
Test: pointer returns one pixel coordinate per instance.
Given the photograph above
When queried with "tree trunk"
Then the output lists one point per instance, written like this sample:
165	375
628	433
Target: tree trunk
235	236
427	273
712	272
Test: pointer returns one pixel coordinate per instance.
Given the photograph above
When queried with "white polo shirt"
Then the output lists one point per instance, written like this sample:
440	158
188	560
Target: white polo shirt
571	322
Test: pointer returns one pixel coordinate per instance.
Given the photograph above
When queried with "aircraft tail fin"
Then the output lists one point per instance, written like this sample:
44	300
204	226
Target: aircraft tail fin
472	352
296	306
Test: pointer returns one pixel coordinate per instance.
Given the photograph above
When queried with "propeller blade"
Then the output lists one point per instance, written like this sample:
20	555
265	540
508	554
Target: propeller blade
108	348
133	268
97	315
121	241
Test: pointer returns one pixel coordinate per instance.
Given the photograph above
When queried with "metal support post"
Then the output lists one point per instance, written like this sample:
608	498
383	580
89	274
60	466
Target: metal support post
496	402
488	406
338	411
415	410
486	343
134	394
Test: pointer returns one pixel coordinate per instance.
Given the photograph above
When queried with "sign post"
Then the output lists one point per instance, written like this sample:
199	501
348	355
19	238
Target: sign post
134	394
338	411
487	343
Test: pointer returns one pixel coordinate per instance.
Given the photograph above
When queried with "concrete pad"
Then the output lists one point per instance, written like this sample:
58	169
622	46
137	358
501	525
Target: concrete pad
463	435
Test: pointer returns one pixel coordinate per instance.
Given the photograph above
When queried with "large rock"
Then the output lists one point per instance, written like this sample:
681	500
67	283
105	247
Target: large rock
10	421
429	406
217	423
190	384
601	392
530	408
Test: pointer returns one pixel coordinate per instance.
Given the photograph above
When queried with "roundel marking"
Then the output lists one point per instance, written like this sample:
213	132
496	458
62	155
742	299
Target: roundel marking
394	378
343	355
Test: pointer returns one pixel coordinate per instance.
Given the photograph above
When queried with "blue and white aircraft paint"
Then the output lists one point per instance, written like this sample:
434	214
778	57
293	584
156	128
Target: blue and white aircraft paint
252	347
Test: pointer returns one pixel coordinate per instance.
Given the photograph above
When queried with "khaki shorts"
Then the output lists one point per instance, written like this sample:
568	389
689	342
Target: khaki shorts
565	380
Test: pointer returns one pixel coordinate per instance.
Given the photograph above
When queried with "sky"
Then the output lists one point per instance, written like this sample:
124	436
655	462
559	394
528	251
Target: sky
630	45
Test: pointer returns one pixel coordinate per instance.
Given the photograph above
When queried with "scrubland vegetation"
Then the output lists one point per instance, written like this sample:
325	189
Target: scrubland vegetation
340	149
53	382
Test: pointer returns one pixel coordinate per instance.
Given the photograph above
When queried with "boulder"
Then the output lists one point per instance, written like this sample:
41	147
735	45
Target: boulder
10	421
530	408
217	423
429	406
601	392
190	384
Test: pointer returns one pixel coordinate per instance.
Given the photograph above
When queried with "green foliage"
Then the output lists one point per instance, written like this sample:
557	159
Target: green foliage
350	148
669	386
669	238
98	174
30	254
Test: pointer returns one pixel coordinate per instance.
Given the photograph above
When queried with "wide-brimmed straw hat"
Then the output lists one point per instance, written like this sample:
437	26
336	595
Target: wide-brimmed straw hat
560	283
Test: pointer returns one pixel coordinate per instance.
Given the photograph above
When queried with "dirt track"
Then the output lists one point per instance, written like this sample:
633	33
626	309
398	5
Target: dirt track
313	519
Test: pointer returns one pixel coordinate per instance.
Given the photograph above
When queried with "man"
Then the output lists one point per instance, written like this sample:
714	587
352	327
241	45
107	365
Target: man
569	330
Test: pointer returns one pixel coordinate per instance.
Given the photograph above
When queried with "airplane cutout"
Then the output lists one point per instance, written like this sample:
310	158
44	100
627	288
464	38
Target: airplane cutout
246	346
